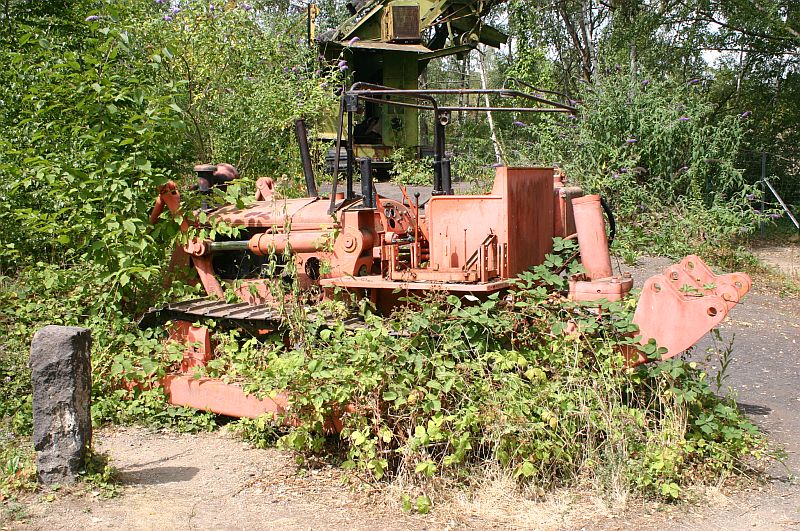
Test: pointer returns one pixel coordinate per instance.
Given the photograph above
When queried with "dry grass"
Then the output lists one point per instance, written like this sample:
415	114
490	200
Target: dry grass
494	498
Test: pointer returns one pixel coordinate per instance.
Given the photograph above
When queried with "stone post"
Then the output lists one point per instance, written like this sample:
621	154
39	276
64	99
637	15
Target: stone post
61	371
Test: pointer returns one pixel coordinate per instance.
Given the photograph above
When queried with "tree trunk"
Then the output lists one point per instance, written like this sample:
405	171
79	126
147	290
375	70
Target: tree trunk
498	149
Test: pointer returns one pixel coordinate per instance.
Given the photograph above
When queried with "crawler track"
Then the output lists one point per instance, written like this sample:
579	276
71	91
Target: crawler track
242	315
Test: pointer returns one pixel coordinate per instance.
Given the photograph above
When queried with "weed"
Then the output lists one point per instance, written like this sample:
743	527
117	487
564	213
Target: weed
14	511
18	469
407	169
98	474
446	383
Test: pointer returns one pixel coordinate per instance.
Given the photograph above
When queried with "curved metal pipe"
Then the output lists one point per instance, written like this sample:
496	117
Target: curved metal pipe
332	206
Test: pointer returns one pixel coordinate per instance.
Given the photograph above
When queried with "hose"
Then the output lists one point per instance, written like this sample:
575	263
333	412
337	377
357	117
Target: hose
612	224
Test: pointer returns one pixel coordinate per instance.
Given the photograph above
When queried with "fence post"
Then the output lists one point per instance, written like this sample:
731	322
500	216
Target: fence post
761	223
61	372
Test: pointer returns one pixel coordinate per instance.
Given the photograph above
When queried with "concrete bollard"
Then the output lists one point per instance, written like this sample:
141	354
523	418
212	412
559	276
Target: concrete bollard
61	371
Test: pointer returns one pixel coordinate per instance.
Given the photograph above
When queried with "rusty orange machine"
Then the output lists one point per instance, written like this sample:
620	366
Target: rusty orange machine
383	249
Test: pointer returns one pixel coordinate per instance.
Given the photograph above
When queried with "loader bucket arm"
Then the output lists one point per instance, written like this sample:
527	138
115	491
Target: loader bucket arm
680	306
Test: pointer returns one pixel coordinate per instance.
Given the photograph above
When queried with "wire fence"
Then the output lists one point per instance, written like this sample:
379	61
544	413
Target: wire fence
778	178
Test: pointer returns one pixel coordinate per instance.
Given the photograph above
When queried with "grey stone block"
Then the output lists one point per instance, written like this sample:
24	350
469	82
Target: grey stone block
61	371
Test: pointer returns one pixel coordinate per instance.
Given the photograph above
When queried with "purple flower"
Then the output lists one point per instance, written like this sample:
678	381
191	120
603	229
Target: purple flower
353	41
684	119
615	175
750	197
247	7
631	140
775	216
642	208
324	85
694	81
211	7
623	170
159	1
520	124
571	116
175	10
295	69
745	114
645	82
342	65
168	18
92	18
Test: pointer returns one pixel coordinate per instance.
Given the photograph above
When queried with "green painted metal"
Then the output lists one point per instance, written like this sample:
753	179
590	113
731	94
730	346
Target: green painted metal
446	27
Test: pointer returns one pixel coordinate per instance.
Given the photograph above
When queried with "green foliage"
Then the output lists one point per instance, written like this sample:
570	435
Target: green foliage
17	468
100	475
533	383
655	150
244	76
407	169
102	102
70	180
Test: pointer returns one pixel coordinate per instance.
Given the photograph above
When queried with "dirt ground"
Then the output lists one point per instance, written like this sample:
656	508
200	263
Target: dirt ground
215	481
784	257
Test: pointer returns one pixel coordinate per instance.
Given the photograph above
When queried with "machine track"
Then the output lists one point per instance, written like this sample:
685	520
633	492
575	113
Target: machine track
242	315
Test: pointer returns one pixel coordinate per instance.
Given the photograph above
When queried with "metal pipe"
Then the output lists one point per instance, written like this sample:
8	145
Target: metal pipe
298	242
367	195
461	108
446	180
507	109
305	156
501	92
349	192
332	206
780	200
356	88
438	154
592	239
240	245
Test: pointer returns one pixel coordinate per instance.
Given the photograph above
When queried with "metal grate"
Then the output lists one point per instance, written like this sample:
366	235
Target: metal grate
401	24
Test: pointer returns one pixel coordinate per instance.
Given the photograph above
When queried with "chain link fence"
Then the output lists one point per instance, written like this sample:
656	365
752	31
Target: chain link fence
778	178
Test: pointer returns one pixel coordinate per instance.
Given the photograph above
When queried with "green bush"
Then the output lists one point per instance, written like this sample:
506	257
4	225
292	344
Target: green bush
102	102
409	170
661	156
532	383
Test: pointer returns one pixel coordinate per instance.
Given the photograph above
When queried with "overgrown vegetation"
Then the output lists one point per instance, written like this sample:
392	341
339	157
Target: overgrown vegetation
105	100
667	167
101	103
533	384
